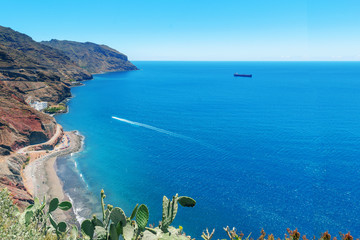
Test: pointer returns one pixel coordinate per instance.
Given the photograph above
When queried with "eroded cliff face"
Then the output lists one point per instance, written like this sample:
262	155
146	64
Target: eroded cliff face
10	177
30	71
20	124
34	71
40	88
93	57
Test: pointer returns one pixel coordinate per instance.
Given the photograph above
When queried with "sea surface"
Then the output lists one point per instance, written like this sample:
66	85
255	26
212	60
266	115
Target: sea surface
275	151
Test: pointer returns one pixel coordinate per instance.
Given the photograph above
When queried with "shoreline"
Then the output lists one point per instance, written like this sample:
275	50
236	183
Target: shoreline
40	177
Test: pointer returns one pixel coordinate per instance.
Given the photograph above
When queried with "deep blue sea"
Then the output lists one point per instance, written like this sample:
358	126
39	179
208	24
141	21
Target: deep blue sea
279	150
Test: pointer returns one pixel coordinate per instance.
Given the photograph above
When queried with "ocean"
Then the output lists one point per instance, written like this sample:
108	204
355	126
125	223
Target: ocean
275	151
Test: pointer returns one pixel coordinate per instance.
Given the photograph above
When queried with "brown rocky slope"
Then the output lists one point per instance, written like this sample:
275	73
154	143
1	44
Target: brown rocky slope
93	57
20	124
33	71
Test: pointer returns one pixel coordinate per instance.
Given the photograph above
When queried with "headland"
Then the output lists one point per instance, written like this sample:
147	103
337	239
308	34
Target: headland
35	81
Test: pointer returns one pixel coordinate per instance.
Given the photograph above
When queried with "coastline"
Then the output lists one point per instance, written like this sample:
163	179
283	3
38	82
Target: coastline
40	177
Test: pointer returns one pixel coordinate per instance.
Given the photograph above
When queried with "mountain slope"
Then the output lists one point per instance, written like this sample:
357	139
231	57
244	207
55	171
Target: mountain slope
30	71
36	70
33	71
93	57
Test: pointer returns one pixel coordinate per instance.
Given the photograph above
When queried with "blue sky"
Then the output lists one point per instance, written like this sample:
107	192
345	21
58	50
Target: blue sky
234	30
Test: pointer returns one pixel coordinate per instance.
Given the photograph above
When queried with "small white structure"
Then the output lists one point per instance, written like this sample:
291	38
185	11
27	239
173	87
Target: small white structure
39	105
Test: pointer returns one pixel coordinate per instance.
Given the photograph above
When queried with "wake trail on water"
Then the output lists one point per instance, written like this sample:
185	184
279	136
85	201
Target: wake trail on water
168	133
154	128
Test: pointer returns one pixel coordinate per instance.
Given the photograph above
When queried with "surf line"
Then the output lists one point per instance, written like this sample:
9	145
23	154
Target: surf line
155	129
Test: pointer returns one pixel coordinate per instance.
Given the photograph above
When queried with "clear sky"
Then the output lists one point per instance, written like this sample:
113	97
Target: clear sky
243	30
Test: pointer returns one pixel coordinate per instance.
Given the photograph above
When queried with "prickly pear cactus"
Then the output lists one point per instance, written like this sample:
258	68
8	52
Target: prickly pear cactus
117	215
186	201
158	234
142	216
170	209
169	212
116	224
129	232
88	228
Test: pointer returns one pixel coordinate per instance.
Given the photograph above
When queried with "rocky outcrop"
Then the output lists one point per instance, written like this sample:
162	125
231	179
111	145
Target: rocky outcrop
30	71
21	125
10	177
49	145
35	70
93	57
20	53
41	72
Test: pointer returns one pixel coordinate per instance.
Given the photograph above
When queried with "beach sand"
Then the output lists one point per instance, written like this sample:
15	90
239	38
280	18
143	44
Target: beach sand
40	178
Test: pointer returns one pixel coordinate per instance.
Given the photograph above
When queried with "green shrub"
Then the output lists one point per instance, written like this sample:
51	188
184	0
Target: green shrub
55	109
10	226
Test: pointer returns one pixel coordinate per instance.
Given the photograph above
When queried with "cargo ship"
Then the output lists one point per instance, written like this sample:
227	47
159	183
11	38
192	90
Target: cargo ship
242	75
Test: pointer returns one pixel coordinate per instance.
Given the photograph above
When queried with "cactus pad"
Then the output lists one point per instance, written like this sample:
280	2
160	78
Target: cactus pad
186	201
65	205
118	215
62	227
134	211
54	203
142	216
113	233
88	228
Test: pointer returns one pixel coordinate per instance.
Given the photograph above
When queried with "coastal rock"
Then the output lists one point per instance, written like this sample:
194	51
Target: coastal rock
32	71
41	91
93	57
21	125
10	177
21	55
35	70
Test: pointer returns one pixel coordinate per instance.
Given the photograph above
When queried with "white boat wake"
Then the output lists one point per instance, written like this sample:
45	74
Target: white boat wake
154	128
169	133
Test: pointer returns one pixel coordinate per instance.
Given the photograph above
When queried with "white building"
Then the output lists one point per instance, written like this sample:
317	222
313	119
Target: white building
39	105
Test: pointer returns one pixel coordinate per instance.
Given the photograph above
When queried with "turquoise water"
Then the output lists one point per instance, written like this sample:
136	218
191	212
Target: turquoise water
278	150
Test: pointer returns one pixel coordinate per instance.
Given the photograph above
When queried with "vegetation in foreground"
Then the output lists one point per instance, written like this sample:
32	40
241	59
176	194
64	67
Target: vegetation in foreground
36	222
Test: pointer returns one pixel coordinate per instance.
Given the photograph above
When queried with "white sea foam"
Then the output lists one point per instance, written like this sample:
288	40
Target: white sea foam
76	211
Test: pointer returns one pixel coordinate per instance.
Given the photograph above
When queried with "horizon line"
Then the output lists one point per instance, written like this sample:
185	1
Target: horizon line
244	60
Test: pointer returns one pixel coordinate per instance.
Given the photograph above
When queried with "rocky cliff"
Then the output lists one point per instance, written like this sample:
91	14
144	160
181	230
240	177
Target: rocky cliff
93	57
20	124
43	71
30	71
34	71
10	177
